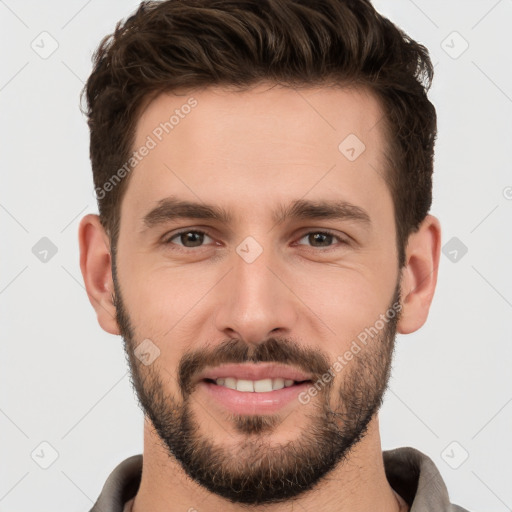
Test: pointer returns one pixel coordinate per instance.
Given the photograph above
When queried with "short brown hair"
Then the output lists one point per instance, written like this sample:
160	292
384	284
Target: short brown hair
178	44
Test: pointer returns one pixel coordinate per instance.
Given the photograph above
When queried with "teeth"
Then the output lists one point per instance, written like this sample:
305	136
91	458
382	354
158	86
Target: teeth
278	384
262	386
245	385
250	386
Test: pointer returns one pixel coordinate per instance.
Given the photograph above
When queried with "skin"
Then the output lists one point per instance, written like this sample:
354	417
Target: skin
249	152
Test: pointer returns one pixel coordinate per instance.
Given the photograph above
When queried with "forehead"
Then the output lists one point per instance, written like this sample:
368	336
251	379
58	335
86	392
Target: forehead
312	114
258	143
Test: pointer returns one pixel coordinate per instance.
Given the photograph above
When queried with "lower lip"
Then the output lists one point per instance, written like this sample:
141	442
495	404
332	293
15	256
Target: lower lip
241	402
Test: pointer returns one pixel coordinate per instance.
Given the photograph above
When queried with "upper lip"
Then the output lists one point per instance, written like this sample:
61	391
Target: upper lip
258	371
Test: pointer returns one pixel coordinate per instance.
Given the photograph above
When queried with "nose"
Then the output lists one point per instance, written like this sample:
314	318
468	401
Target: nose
256	300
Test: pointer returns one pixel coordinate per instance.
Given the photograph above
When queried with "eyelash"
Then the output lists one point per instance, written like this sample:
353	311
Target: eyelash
168	240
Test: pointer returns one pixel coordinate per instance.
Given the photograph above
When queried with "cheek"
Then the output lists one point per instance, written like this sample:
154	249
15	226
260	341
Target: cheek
163	299
345	301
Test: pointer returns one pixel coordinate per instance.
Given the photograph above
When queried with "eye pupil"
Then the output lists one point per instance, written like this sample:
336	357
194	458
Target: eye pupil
194	237
318	237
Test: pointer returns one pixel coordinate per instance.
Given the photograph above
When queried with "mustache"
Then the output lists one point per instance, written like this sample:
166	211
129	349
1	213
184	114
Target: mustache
272	350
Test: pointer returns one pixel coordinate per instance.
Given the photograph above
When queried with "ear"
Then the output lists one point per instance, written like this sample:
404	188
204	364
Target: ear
419	275
95	264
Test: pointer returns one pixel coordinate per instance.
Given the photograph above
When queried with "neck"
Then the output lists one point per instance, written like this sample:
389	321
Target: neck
358	484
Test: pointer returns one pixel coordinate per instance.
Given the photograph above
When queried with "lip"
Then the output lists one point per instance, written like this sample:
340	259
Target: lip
251	402
251	371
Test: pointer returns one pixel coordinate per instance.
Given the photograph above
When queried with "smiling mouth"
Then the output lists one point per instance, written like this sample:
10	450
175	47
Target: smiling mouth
255	386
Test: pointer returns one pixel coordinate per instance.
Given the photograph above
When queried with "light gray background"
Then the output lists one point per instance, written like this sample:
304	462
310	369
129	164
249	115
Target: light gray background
65	382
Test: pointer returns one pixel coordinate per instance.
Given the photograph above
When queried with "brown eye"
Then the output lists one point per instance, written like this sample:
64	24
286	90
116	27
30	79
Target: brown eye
188	239
321	238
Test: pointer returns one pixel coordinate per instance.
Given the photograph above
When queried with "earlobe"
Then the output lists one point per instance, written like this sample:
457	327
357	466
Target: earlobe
419	275
96	267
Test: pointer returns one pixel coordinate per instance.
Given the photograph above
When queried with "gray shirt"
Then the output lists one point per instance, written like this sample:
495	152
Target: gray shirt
410	473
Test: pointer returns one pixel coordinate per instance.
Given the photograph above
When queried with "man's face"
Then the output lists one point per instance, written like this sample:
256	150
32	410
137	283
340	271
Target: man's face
272	294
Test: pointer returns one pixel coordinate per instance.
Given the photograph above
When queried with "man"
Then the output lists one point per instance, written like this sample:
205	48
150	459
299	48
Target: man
263	172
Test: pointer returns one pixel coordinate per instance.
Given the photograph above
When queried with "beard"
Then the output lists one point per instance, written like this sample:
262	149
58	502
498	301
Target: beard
255	471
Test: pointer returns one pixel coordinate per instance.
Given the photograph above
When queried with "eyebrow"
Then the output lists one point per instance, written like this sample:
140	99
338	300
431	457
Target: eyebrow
172	208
